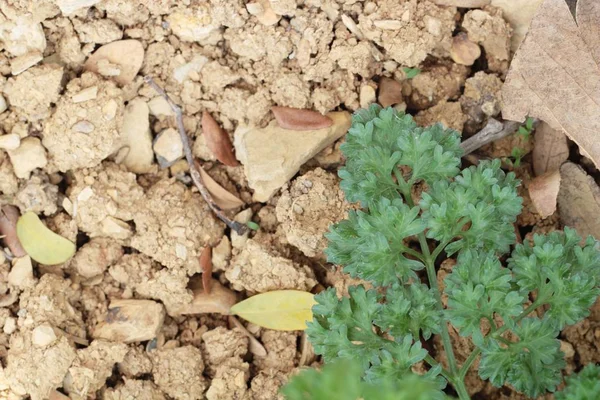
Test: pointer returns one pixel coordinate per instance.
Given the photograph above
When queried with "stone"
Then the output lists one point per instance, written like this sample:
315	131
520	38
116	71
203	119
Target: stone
124	56
160	107
3	105
367	96
12	141
130	321
27	157
272	155
136	135
21	273
24	62
68	7
10	325
43	336
168	147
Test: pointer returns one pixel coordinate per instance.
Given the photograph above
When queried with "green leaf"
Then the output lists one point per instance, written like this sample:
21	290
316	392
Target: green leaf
43	245
584	385
565	274
372	245
282	310
411	72
532	365
253	225
479	287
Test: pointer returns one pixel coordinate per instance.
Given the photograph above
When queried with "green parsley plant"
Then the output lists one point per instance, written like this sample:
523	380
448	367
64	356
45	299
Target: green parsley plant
417	205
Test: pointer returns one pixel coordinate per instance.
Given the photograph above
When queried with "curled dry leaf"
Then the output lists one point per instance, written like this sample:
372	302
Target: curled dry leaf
126	56
218	141
9	216
220	196
206	265
43	245
254	345
218	301
463	51
550	150
543	191
297	119
579	200
281	310
555	76
390	92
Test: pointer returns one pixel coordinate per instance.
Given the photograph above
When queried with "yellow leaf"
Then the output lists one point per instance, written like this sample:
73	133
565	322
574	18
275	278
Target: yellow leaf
42	245
281	310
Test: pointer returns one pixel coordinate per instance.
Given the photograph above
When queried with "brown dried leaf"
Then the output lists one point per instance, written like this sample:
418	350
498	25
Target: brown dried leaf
550	150
218	141
543	191
206	265
463	51
127	55
297	119
555	77
221	197
9	215
390	92
579	200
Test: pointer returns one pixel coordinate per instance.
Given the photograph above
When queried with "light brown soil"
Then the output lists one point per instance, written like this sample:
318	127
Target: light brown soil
78	148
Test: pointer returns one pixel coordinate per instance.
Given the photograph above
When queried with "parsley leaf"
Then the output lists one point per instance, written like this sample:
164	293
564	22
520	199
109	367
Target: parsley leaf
582	386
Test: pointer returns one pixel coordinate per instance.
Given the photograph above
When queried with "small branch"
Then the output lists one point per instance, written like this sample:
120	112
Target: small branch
239	228
493	131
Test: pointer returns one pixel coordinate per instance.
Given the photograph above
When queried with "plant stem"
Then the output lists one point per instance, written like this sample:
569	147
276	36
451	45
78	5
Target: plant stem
433	363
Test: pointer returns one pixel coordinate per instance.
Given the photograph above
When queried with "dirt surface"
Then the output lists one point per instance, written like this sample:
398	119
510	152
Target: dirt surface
94	151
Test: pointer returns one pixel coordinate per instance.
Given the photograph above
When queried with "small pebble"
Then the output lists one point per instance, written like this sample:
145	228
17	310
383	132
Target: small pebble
297	209
83	127
43	335
10	325
10	141
86	94
3	105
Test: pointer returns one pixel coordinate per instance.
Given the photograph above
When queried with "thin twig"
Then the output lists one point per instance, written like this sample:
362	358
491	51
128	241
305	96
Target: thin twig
238	227
493	131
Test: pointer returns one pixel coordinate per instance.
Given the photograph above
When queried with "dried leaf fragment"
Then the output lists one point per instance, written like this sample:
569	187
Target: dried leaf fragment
43	245
543	191
555	77
206	265
218	141
390	92
124	56
463	51
297	119
220	195
282	310
550	150
579	200
9	215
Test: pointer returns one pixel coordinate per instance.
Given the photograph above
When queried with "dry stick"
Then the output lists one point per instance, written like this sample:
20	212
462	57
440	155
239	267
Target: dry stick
239	228
493	131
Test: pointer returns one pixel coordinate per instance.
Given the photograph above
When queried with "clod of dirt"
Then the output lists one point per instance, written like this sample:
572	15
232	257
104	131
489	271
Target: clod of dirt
32	92
551	149
256	269
221	344
29	156
272	155
266	385
480	100
135	363
281	351
94	257
134	389
37	195
230	381
82	134
104	199
446	113
36	371
178	372
92	366
488	28
409	31
168	147
136	135
464	51
120	60
578	199
173	225
129	321
21	34
137	272
219	301
442	81
307	209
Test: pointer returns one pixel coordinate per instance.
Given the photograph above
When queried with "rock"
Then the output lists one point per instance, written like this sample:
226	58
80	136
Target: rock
168	147
130	321
21	273
10	325
181	73
219	301
137	137
24	62
68	7
43	336
390	92
121	59
3	105
10	141
463	51
263	11
272	156
160	107
192	25
22	35
27	157
89	93
367	96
